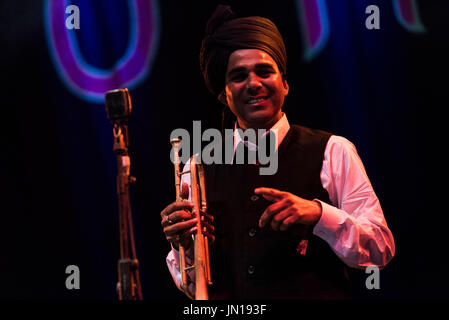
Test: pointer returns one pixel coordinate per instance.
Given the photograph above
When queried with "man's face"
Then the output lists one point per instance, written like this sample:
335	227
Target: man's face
255	90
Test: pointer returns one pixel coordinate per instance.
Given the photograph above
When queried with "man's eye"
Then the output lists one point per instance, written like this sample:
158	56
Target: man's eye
238	77
264	73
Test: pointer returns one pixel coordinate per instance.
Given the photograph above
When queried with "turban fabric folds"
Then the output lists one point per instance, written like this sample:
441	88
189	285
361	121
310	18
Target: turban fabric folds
226	33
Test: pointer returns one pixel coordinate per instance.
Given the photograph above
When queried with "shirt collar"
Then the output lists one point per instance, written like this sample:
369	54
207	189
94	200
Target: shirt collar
280	130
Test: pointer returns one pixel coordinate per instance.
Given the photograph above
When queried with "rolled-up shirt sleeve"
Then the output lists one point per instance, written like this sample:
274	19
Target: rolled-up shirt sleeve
173	266
353	225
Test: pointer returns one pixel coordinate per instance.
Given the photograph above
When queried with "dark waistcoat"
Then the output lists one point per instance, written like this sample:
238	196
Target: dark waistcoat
249	262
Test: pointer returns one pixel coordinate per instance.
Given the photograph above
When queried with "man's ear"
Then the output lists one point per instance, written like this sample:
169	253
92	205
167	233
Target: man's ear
286	87
222	97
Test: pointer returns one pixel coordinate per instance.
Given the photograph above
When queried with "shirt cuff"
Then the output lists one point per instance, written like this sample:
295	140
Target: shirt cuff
189	254
330	221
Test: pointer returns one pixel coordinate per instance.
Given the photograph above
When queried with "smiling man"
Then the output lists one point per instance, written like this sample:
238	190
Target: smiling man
294	234
255	89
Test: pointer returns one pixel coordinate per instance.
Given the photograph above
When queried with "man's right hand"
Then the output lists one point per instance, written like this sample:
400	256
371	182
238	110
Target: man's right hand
178	224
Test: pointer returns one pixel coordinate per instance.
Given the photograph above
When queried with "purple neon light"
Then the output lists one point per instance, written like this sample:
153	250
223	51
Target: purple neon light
97	84
314	26
408	16
406	9
312	21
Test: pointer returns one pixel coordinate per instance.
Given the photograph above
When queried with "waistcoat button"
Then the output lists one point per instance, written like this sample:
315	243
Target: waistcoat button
254	198
251	269
252	232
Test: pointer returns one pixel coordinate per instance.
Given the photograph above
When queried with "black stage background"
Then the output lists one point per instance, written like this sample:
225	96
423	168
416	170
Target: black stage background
385	90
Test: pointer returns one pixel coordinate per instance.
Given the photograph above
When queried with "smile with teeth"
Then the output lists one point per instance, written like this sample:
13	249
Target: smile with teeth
256	100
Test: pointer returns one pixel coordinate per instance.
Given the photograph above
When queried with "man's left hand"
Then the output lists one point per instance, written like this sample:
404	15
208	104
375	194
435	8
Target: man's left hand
287	209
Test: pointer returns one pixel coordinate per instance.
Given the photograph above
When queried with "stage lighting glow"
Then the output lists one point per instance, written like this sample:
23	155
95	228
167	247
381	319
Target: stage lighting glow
89	82
407	13
314	26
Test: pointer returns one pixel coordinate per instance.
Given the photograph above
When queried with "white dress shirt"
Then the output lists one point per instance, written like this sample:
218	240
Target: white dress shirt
353	225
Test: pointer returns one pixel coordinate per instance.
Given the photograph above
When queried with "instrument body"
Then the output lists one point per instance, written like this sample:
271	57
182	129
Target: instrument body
201	244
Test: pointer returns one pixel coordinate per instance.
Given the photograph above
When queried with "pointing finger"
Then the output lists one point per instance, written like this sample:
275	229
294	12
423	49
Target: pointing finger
270	194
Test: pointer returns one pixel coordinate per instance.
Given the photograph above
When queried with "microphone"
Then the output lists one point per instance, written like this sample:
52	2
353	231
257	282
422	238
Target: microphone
118	105
118	110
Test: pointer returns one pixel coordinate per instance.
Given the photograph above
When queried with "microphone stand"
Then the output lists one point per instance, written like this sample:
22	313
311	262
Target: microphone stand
128	286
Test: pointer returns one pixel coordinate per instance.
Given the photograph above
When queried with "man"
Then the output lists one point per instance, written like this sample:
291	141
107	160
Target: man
294	234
